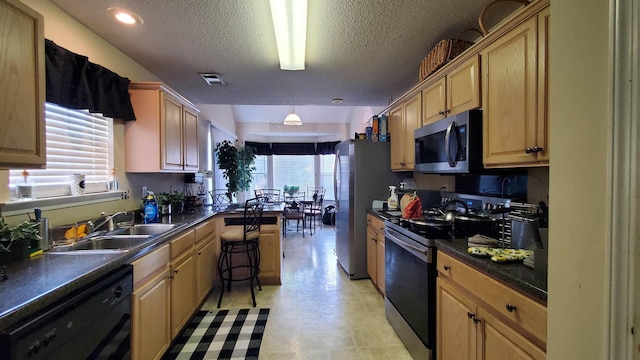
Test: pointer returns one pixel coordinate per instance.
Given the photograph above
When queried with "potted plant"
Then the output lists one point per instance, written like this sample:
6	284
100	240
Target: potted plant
164	203
15	240
176	201
236	165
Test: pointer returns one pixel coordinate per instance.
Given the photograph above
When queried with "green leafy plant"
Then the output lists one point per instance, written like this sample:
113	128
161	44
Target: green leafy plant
26	230
237	165
176	197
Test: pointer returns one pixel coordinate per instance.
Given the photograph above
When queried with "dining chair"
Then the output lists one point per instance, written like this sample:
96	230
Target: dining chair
268	195
312	209
242	240
220	197
292	211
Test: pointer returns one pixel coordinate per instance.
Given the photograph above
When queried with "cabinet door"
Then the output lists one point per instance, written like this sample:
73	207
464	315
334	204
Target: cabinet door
371	255
455	329
433	102
191	154
183	291
509	96
150	335
463	87
22	85
380	262
269	259
171	133
544	17
206	269
396	129
413	120
498	341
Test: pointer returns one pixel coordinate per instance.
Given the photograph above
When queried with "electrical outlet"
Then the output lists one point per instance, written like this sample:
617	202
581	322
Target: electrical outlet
125	194
144	191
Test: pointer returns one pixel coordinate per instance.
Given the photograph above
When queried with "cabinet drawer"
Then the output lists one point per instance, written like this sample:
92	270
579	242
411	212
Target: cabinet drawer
205	230
375	223
149	265
522	310
182	243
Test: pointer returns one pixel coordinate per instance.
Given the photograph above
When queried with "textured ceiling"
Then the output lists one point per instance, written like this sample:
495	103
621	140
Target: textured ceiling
363	51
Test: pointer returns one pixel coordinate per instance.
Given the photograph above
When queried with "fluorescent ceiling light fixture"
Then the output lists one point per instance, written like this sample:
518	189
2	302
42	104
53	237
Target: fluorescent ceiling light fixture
292	118
125	16
290	25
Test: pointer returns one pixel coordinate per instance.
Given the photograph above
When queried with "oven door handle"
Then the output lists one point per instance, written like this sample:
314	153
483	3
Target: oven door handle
404	244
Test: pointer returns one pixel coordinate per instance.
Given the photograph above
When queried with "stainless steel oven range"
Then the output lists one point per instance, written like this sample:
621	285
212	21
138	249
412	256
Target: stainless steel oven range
410	285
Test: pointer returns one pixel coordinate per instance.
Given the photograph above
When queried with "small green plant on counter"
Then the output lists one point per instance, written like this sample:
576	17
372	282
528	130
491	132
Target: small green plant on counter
9	235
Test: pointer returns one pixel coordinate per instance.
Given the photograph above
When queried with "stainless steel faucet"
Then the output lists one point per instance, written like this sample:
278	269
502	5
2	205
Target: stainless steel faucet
107	219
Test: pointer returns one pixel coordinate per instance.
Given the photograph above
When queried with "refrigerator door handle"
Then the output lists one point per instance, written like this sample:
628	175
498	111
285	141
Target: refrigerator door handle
335	179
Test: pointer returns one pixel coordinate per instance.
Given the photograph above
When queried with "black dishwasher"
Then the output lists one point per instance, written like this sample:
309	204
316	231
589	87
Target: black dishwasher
93	323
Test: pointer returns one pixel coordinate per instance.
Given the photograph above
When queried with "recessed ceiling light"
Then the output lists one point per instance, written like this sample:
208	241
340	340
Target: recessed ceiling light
125	16
336	101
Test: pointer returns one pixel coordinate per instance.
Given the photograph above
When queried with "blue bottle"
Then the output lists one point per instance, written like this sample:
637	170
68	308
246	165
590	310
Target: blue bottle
150	209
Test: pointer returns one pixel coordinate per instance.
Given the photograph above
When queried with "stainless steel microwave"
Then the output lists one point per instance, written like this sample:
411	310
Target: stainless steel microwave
450	146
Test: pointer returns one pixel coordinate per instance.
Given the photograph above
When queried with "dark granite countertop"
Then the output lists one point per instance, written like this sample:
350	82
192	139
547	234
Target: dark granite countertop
515	275
36	283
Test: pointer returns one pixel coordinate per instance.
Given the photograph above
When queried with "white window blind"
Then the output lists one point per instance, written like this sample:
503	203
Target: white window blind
78	142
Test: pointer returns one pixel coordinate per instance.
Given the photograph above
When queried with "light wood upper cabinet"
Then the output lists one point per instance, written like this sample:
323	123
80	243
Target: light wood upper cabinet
455	92
514	92
164	137
403	120
22	85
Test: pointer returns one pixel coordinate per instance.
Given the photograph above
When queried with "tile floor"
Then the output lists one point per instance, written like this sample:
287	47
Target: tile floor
318	313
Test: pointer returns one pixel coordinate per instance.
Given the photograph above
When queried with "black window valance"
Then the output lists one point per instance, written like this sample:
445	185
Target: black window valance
323	148
293	148
326	148
76	83
259	148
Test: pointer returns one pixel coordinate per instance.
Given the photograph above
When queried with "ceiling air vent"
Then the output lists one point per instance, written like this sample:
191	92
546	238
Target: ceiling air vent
213	79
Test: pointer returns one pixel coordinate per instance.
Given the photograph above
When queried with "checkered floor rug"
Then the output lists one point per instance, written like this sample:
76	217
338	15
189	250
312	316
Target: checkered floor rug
227	334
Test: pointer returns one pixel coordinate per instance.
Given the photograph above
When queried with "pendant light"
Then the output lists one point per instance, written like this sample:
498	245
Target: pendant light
292	118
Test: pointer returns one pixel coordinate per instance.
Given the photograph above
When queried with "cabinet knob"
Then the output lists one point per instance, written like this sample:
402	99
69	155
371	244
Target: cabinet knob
446	111
476	319
447	267
511	308
441	112
471	315
533	150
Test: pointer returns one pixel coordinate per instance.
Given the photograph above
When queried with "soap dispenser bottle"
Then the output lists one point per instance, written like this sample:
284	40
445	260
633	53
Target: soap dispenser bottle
392	201
150	208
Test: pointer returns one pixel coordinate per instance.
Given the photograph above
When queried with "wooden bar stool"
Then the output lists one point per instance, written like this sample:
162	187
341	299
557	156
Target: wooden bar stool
242	240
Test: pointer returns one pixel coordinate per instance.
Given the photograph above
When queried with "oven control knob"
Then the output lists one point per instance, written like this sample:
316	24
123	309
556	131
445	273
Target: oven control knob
117	292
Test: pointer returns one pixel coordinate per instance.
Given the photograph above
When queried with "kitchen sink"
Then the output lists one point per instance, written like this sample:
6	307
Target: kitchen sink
144	229
103	244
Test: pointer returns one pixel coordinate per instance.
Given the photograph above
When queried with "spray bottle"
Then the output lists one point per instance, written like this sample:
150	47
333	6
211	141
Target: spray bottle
392	201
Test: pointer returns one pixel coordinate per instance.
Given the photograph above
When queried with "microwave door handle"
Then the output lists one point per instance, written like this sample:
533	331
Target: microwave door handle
447	144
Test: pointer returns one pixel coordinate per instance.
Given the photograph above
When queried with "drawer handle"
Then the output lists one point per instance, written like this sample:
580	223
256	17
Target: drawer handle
447	267
471	315
511	308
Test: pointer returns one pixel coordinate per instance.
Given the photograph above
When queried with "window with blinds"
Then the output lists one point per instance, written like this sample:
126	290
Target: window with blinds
78	142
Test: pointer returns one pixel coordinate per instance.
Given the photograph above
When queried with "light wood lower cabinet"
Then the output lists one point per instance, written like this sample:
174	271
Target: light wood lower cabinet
474	320
206	269
375	251
150	325
183	281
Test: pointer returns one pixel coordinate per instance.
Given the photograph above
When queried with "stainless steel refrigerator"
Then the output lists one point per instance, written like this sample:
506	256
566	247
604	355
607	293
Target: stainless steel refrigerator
362	174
